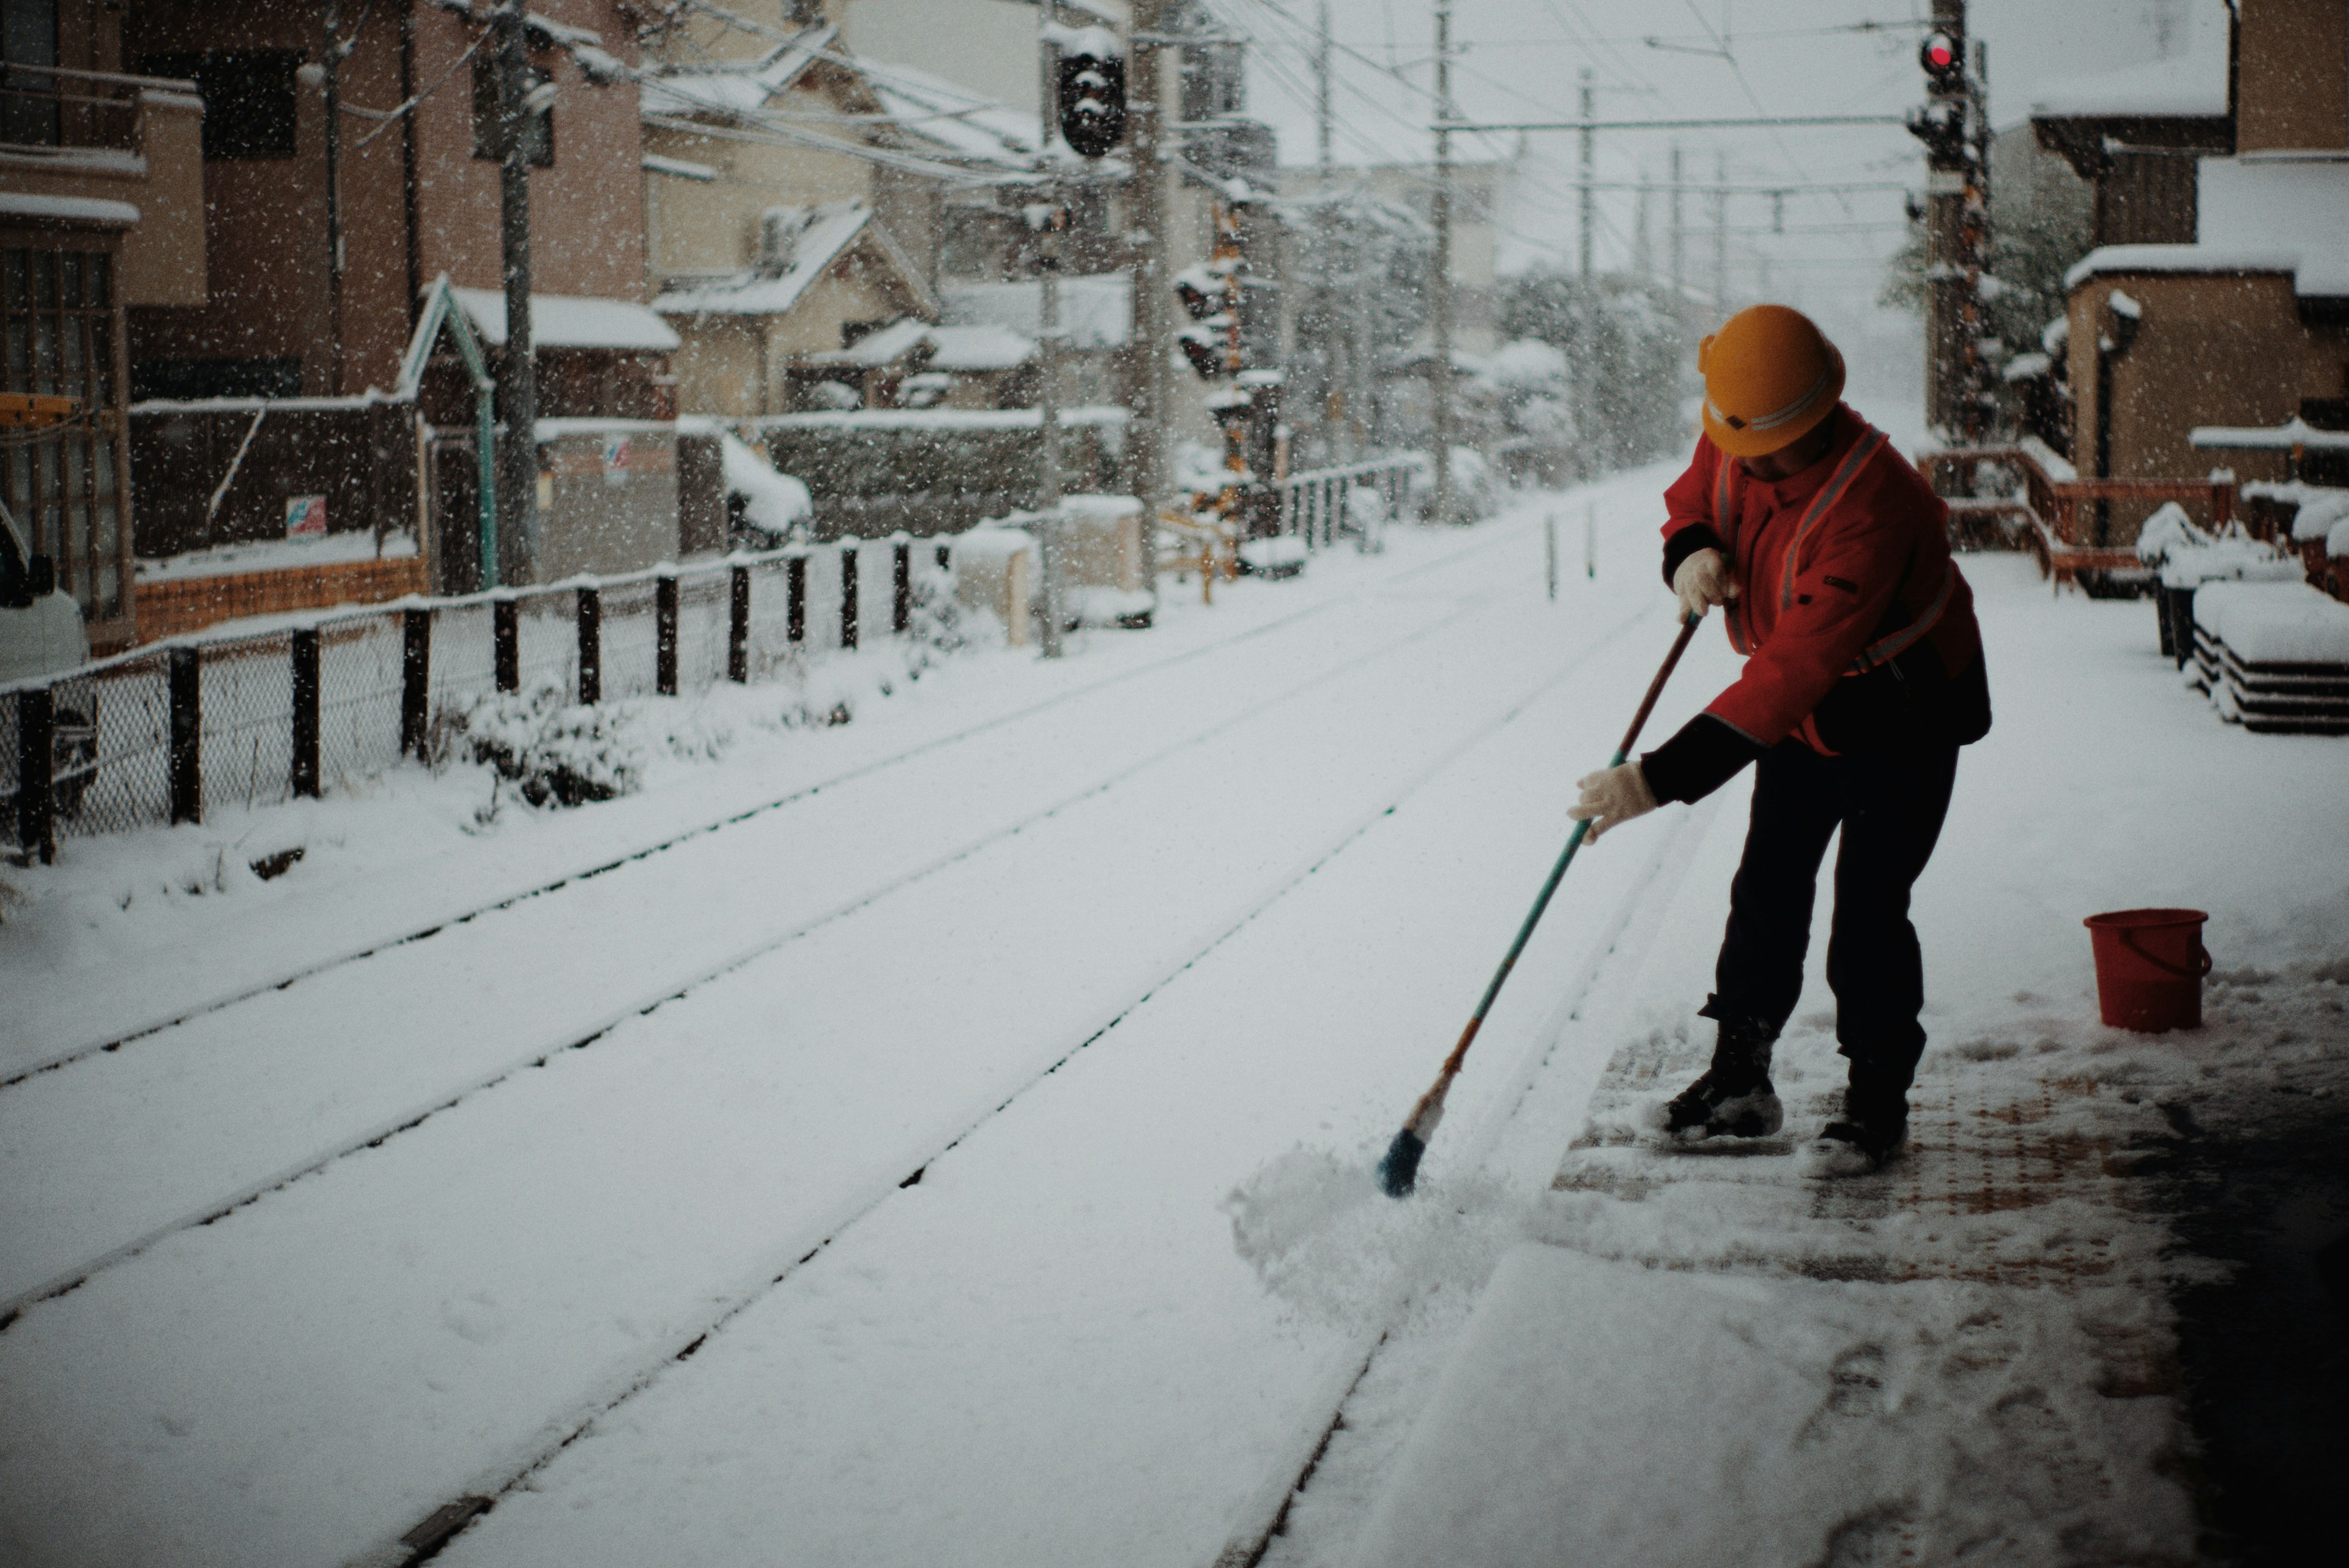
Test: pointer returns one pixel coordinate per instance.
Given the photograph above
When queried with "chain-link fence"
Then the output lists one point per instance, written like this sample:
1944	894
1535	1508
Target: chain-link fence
179	731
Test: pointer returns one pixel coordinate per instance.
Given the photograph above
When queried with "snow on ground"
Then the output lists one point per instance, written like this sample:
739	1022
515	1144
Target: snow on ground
1707	1359
361	1344
999	1108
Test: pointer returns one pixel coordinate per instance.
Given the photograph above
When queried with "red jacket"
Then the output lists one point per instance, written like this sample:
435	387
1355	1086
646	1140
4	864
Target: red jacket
1840	570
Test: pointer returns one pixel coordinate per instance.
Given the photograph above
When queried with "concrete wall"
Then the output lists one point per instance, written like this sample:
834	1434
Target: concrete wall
603	520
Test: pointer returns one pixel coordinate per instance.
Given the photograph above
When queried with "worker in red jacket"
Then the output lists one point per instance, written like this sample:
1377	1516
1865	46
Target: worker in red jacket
1829	557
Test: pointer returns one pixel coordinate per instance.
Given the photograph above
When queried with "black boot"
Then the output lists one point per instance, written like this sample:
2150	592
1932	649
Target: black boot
1873	1127
1734	1097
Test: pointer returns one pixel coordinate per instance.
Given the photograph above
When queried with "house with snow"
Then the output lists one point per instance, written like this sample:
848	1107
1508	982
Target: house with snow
797	206
102	186
2240	322
270	405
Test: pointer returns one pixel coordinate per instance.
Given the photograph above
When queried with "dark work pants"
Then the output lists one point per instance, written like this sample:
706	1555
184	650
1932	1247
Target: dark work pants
1889	807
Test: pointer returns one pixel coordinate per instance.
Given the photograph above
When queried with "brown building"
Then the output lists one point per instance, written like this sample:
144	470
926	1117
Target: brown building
102	211
2246	322
418	191
278	389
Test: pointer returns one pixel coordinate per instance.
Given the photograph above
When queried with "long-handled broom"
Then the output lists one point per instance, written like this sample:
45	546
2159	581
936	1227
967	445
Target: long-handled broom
1399	1171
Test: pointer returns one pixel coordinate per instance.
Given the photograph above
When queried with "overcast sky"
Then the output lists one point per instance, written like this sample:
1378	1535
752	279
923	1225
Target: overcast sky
1522	60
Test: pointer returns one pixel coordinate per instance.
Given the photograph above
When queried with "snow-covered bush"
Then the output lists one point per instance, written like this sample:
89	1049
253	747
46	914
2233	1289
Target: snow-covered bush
554	750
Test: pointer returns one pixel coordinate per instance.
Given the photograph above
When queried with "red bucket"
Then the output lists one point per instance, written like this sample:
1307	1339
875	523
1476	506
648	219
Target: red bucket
2150	967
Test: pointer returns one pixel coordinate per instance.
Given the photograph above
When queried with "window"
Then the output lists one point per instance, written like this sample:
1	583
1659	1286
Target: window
248	98
28	104
56	337
538	130
186	381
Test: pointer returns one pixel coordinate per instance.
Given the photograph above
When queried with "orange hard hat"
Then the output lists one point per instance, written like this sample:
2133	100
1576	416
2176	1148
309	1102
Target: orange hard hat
1770	377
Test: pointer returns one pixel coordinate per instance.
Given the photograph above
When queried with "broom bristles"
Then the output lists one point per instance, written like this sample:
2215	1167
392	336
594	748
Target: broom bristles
1399	1171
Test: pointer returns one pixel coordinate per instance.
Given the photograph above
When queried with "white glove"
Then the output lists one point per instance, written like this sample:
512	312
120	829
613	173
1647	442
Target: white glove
1703	582
1617	795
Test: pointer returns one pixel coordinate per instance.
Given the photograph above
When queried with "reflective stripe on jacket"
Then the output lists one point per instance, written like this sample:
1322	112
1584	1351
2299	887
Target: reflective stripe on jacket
1839	569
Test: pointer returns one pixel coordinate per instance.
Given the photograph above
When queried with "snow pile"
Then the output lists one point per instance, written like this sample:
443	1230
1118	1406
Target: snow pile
553	750
773	502
1282	556
2274	623
1321	1235
2318	514
2188	557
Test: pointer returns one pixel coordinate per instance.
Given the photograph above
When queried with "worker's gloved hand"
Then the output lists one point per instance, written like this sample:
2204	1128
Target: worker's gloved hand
1703	582
1617	795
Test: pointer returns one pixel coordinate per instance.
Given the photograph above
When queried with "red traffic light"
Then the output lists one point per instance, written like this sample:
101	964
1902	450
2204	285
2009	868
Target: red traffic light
1943	57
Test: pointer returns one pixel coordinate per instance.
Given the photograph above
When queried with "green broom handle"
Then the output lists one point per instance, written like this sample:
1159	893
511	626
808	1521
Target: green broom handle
1574	841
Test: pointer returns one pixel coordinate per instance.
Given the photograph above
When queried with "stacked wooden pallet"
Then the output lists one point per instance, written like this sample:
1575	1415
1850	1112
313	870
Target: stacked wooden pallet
2274	656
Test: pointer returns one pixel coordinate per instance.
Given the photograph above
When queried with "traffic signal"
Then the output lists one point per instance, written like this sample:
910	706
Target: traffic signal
1092	92
1208	349
1202	295
1941	125
1944	59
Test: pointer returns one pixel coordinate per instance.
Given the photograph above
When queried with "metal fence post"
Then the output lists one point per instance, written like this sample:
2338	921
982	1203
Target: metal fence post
505	637
848	595
946	558
591	645
306	712
187	735
415	681
738	625
36	759
795	599
901	600
665	636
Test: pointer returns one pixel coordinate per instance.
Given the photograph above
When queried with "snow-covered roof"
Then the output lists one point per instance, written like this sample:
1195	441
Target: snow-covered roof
91	210
808	241
2293	432
2191	83
728	90
683	169
571	321
942	418
1096	312
2255	214
980	348
958	120
883	345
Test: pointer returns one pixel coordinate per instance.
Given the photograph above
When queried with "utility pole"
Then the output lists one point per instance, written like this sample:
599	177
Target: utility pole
517	370
1680	233
330	60
1720	234
1335	445
1643	255
1950	190
1587	216
1146	202
1439	386
1046	220
1322	121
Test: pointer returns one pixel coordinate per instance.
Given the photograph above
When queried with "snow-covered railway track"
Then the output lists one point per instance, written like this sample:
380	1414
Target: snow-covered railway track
1618	951
443	1522
113	1039
584	1034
